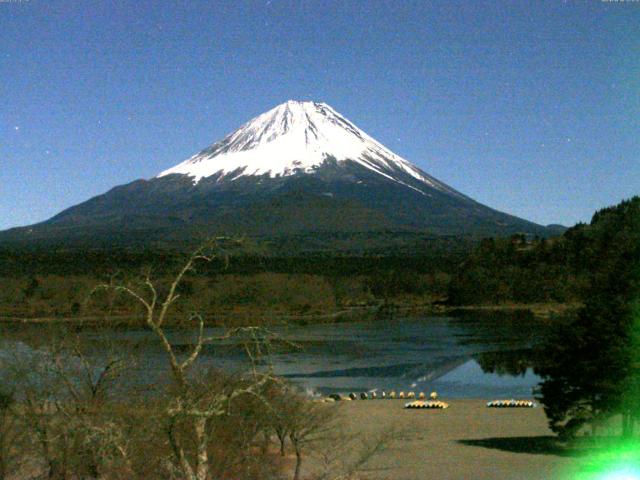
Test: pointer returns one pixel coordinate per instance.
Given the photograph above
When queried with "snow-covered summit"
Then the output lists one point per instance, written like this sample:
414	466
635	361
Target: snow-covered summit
297	137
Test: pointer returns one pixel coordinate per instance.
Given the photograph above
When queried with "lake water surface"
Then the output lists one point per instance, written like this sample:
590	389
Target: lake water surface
426	354
444	354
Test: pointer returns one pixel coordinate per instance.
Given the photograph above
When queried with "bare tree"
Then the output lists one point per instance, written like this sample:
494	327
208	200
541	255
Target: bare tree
304	422
7	432
29	371
282	398
192	405
63	405
90	384
315	430
346	457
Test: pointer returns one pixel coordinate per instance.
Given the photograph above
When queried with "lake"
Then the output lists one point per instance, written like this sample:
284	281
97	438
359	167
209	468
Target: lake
427	354
445	354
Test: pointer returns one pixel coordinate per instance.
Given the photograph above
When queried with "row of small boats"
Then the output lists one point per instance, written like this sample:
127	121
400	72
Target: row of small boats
493	404
383	395
437	404
420	400
511	404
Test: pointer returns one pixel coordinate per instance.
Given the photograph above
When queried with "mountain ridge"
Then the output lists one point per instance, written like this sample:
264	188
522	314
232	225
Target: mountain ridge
300	168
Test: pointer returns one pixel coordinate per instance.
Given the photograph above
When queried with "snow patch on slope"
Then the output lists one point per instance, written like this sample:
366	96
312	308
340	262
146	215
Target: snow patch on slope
297	137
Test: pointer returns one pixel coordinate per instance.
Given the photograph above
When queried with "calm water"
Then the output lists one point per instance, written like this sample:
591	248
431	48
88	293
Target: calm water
427	354
423	354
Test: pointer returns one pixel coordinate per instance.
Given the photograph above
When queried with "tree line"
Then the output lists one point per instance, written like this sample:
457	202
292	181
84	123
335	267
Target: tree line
517	269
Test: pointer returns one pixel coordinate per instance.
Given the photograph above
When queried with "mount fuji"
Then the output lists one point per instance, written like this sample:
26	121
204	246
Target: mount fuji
300	168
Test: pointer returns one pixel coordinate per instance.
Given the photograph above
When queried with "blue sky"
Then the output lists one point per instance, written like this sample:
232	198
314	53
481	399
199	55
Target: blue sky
532	108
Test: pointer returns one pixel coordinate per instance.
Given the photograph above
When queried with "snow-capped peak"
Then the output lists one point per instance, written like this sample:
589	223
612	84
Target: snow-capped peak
296	137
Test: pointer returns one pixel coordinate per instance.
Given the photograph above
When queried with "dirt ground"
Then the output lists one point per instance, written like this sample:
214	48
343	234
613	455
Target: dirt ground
465	441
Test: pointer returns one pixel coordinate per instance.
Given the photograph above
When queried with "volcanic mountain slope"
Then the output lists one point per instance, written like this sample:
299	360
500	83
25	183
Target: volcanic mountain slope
300	168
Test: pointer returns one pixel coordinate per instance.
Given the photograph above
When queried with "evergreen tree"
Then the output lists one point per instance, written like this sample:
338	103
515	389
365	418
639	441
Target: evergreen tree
590	365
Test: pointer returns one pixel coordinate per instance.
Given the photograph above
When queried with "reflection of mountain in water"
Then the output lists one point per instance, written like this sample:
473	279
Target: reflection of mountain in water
458	357
511	362
421	371
470	380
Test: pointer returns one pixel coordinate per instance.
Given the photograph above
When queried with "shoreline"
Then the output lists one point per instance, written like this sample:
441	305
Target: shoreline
351	314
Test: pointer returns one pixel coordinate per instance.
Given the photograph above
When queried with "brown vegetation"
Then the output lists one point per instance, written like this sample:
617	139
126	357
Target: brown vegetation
72	407
223	299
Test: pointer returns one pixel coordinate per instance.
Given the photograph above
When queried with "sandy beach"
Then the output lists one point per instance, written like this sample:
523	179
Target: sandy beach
465	441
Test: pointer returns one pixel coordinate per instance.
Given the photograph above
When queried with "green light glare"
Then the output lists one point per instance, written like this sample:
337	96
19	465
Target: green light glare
621	462
623	474
620	459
